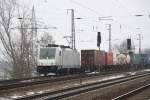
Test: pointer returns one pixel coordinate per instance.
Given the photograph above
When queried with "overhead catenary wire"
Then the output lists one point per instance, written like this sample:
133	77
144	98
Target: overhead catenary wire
86	7
94	11
121	5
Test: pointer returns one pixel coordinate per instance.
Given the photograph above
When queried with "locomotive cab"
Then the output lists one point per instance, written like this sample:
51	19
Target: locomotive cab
47	60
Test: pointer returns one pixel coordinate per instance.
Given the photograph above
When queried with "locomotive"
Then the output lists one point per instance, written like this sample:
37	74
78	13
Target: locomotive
58	59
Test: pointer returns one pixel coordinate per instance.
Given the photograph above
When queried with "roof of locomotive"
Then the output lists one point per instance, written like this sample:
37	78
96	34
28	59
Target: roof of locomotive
54	45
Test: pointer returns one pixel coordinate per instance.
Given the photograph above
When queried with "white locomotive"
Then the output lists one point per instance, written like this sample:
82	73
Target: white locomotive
58	59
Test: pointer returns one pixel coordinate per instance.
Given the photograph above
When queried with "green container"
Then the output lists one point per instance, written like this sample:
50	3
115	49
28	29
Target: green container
136	59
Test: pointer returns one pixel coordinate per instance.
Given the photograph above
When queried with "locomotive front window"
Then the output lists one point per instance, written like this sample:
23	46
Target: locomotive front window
47	53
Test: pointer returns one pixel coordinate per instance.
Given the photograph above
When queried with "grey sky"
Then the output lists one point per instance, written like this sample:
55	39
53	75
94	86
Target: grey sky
54	13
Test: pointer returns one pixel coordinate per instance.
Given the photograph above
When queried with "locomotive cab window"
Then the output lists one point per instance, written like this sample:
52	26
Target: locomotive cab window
47	53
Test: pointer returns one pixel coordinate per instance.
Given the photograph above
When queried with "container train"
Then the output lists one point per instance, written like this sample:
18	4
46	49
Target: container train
62	59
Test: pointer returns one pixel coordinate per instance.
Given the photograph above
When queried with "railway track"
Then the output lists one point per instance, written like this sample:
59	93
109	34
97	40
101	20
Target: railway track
22	80
12	81
132	93
60	94
20	83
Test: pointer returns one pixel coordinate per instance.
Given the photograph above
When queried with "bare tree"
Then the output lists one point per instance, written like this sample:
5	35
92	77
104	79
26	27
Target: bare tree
146	51
47	39
6	15
122	47
16	41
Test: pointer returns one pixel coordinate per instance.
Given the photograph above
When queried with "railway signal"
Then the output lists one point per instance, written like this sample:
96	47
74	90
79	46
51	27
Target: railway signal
98	39
128	44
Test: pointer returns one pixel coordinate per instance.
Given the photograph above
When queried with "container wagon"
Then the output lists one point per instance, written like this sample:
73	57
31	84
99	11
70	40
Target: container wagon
147	59
91	60
136	60
109	58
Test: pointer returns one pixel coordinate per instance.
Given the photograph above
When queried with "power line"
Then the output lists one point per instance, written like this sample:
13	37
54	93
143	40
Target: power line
83	6
122	5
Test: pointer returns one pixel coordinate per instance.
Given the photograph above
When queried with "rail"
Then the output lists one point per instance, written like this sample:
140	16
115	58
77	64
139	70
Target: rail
60	94
37	81
135	91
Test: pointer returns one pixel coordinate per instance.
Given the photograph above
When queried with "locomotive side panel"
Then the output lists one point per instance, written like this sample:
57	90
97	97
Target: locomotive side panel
57	59
70	59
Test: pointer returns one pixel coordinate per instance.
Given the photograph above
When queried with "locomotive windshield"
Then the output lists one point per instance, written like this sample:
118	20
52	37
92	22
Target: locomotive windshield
47	53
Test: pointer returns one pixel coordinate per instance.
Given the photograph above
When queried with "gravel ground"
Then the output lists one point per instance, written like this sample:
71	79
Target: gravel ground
15	93
112	91
37	89
144	95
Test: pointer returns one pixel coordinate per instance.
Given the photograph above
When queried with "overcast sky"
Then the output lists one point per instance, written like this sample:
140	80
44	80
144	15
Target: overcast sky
124	24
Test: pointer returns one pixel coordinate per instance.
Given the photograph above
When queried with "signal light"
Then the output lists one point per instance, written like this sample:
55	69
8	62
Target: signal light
98	39
129	44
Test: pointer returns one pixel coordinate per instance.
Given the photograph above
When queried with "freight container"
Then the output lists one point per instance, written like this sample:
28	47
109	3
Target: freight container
145	58
109	58
121	59
128	59
136	59
114	58
91	59
141	59
101	58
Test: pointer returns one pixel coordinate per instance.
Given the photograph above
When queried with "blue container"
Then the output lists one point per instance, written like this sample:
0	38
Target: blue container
147	59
